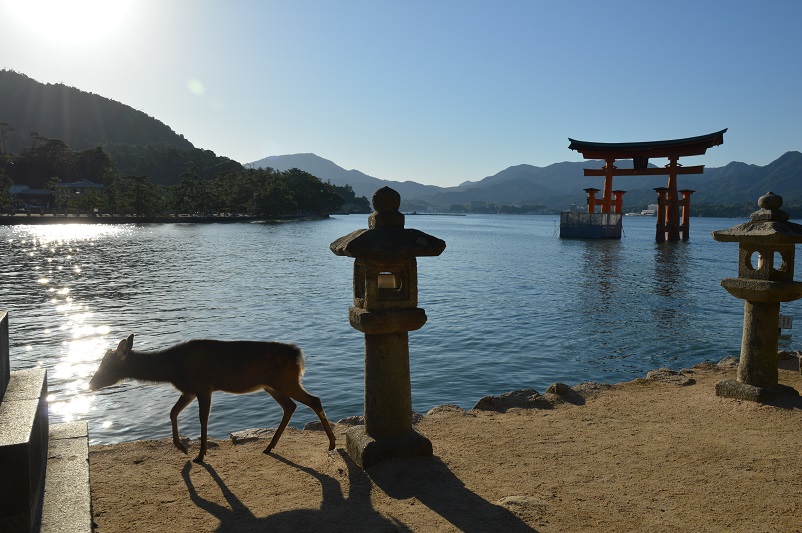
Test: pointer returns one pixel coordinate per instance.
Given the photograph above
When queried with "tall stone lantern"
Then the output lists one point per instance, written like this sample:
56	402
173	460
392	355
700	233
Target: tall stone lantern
765	278
385	309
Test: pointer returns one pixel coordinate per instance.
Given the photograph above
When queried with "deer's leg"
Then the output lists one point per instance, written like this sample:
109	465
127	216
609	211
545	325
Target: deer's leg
289	408
314	403
204	407
179	406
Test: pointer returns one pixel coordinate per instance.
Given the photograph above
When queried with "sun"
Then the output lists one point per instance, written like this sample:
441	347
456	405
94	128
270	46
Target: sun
70	21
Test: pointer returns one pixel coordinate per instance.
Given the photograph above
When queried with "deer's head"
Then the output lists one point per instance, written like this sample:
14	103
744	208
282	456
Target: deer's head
112	366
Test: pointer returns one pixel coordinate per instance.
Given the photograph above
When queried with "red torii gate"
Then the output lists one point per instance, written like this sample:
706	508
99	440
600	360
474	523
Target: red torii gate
668	201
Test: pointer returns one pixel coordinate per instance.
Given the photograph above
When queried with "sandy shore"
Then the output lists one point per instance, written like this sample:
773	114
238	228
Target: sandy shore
646	455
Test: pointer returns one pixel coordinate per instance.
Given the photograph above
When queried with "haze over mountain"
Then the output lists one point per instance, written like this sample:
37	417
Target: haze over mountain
561	184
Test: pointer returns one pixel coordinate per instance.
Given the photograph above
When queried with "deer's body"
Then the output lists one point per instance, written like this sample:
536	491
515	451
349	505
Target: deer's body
199	367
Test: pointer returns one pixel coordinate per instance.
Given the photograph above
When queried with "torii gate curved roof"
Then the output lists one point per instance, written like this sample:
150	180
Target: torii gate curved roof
672	149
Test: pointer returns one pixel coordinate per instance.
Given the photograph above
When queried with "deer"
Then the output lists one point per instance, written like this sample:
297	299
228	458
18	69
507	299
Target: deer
199	367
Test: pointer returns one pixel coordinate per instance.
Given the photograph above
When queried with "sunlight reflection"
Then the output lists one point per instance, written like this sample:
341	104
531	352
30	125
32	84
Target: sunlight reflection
76	367
76	406
69	329
47	234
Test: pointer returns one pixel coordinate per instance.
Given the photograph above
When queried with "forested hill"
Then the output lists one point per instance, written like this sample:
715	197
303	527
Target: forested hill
80	119
33	114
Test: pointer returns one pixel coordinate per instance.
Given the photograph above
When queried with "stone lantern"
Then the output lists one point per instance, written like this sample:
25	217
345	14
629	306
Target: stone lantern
385	309
765	278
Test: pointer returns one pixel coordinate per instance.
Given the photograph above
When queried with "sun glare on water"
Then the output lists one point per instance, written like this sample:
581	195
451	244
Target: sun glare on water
74	21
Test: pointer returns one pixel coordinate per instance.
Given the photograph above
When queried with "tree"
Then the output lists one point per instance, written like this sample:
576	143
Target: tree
192	195
116	199
145	198
312	195
5	194
5	127
58	192
96	165
89	201
273	198
34	137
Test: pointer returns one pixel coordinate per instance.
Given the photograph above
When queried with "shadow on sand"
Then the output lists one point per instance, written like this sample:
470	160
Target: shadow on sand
427	480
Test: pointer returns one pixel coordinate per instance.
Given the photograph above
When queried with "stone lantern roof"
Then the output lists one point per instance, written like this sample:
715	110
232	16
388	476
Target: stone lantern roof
769	225
386	238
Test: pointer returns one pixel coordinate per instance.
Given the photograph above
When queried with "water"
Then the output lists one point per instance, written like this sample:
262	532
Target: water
510	306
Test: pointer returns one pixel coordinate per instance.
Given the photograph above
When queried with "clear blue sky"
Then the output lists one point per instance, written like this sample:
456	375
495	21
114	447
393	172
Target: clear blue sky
434	91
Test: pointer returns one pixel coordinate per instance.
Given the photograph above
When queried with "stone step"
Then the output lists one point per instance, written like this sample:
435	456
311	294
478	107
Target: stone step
5	367
67	503
23	449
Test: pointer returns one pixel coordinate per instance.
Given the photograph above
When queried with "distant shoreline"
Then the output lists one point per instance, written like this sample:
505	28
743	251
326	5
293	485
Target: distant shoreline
20	220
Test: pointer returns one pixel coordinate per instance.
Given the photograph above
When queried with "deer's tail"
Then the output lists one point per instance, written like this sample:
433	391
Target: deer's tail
300	360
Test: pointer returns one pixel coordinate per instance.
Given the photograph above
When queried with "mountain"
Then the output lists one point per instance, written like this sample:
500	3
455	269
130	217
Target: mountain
561	184
80	119
142	145
31	113
326	170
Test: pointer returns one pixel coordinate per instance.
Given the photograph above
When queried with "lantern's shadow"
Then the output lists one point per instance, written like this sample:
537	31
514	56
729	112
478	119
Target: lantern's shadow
428	480
789	402
431	482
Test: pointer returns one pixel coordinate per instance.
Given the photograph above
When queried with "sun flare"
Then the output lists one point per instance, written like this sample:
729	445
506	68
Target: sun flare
70	21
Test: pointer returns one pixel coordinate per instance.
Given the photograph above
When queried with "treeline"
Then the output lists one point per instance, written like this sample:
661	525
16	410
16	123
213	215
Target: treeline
50	163
43	158
165	163
742	210
254	192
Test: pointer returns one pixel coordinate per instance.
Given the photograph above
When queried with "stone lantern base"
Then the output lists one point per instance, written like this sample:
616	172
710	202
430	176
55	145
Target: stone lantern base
367	451
729	388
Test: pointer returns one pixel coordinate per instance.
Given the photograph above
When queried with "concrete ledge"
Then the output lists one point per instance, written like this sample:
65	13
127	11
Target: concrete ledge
23	449
67	502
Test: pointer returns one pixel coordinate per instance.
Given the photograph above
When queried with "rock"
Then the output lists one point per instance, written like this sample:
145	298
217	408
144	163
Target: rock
416	418
315	425
526	399
448	408
250	435
728	362
666	375
590	388
562	393
559	389
525	507
352	421
707	366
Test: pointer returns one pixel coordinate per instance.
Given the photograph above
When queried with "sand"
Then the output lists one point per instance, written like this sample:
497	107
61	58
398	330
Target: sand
639	456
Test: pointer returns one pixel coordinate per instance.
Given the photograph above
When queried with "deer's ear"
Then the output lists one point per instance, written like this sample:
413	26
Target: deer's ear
125	346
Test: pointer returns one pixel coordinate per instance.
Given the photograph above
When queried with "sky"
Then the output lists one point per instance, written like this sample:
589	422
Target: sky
434	91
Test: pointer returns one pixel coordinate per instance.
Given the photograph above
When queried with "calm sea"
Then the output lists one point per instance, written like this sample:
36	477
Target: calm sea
510	306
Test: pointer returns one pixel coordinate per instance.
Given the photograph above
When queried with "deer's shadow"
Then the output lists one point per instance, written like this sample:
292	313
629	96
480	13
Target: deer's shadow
427	479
